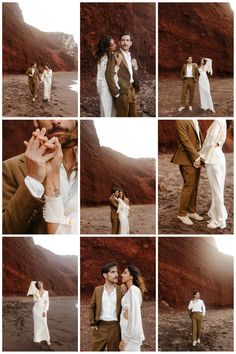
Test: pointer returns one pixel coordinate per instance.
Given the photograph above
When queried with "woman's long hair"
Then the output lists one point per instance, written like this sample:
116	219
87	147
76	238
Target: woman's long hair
102	47
137	278
228	123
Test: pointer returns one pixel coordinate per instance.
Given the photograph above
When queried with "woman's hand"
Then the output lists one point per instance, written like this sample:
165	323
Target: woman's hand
123	289
119	58
121	345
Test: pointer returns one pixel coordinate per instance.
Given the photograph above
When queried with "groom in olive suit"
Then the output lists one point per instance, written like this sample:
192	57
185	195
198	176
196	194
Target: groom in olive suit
124	89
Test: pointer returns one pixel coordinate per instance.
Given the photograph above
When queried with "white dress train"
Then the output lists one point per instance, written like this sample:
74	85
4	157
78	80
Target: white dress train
47	84
204	86
123	216
41	304
132	329
214	157
106	104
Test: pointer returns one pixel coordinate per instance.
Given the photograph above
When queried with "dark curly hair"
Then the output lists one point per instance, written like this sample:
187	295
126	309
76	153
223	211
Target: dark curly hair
102	47
137	278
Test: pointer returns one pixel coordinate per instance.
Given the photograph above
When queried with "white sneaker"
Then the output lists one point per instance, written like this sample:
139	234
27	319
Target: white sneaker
194	343
198	341
181	108
185	220
195	216
190	108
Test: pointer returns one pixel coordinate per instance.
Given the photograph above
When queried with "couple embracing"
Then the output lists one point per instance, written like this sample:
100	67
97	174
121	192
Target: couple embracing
115	311
119	204
117	81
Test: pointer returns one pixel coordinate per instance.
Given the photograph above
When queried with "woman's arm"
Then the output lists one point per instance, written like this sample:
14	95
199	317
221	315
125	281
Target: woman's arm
210	141
46	305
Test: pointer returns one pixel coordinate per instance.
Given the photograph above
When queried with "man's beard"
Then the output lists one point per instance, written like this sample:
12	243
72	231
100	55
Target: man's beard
68	139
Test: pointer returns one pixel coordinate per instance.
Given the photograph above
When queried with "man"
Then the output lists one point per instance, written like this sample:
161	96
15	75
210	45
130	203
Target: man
25	177
33	79
113	202
127	86
189	76
197	310
104	311
187	157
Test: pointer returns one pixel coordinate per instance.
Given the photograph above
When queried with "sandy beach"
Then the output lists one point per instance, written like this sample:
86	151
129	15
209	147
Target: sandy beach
89	106
96	220
169	94
18	324
17	100
169	194
149	326
175	330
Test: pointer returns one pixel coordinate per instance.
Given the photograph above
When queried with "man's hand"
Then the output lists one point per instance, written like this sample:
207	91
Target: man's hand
94	328
197	163
53	165
36	156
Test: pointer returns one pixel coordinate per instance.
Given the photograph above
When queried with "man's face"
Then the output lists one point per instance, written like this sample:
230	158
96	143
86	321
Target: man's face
112	275
35	66
56	128
125	43
189	60
116	194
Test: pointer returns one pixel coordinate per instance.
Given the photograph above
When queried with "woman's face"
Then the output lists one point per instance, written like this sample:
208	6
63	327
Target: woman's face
40	285
121	194
197	296
112	46
202	61
125	276
46	67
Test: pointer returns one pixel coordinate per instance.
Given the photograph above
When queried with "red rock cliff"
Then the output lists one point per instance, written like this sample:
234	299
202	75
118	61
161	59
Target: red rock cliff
103	168
97	251
197	30
24	44
98	19
23	261
186	264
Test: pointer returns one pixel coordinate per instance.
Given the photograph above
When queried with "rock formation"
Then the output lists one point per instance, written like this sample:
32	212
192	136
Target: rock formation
103	168
197	30
24	44
186	264
97	251
23	261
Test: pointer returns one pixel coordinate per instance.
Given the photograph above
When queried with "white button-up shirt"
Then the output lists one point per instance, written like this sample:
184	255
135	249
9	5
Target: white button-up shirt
127	56
108	310
197	306
189	70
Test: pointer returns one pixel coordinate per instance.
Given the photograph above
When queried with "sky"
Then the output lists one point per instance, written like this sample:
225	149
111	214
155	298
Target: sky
52	16
132	137
226	244
59	244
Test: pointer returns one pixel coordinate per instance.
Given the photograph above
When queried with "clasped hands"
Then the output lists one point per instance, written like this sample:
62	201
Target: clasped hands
43	156
199	163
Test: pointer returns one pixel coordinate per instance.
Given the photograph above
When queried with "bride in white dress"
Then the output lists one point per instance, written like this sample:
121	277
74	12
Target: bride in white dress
132	334
40	309
204	85
123	213
211	153
105	47
47	83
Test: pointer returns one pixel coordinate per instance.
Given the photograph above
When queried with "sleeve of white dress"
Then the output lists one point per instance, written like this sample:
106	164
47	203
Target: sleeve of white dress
190	306
208	66
53	211
211	140
134	330
119	207
203	309
32	289
43	75
46	302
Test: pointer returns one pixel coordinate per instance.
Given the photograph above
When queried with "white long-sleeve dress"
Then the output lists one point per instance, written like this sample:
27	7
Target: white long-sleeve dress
132	329
123	213
47	84
214	158
204	86
41	304
106	104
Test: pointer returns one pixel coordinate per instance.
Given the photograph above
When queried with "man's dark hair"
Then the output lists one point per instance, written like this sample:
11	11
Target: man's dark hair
107	267
114	189
33	64
126	33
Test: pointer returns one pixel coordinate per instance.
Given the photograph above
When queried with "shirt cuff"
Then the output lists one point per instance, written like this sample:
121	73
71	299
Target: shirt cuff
35	187
117	95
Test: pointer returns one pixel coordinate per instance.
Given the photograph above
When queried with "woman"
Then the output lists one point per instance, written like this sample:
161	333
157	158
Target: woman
197	310
123	213
47	82
205	67
40	309
105	47
211	153
131	317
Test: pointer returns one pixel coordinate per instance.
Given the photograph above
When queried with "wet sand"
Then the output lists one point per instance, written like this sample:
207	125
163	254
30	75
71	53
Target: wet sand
146	103
169	93
175	331
17	99
18	324
149	326
169	195
96	220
